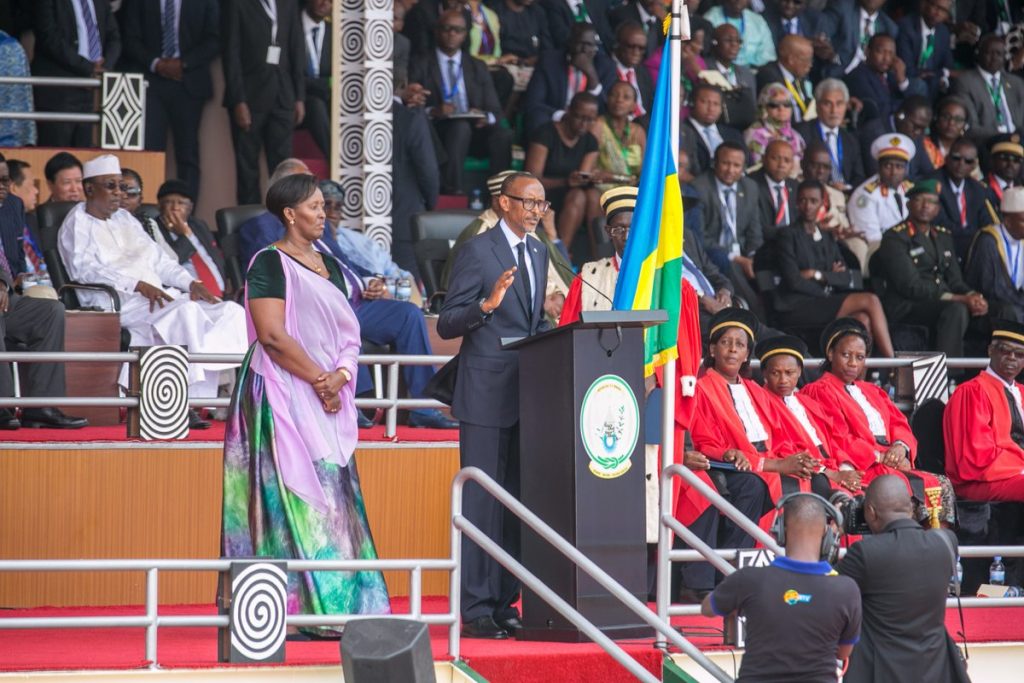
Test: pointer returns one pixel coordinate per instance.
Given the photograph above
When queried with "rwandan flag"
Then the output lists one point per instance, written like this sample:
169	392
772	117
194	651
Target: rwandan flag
651	270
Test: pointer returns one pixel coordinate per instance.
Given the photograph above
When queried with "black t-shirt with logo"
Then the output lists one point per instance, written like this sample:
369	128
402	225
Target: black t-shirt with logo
798	613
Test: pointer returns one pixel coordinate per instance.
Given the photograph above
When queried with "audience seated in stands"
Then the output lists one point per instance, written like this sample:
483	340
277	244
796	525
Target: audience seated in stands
621	139
881	81
911	119
796	17
563	156
832	98
630	43
948	126
881	201
796	57
462	103
854	23
866	425
995	98
817	286
63	173
964	206
775	122
161	302
993	266
983	423
776	187
923	44
649	15
1006	154
923	281
701	133
758	47
562	73
741	99
29	317
383	320
730	219
564	15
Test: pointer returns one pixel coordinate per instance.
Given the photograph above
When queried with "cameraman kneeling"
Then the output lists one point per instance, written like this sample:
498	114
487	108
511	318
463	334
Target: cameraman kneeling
903	571
801	616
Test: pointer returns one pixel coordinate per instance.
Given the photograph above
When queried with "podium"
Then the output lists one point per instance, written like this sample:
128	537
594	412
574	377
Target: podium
581	398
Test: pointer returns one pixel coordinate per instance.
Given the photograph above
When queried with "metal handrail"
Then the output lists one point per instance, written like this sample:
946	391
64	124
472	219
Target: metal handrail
461	525
52	81
152	620
51	116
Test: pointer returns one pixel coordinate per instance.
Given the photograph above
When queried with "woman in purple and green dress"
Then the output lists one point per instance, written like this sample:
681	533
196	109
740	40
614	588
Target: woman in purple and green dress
290	485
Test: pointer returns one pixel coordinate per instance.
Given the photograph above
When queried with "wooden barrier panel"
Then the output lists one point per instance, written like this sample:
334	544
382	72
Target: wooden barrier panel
163	502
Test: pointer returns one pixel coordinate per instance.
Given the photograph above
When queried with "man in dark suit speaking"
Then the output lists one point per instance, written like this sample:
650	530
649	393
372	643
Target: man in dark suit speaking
903	572
481	309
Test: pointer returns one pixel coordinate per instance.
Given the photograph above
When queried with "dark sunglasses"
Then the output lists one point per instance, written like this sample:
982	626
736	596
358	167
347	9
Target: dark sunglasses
957	158
451	28
780	105
131	192
111	185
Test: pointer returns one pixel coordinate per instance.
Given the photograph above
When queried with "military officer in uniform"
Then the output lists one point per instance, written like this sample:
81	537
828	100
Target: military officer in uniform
923	282
880	202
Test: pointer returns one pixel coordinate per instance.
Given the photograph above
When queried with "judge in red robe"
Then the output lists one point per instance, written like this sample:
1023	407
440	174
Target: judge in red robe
984	424
802	419
868	426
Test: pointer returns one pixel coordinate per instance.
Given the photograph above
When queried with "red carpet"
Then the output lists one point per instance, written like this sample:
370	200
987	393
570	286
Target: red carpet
214	433
497	661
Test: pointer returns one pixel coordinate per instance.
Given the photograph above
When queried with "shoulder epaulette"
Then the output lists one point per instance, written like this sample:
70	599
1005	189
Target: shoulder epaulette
907	184
940	228
871	186
899	227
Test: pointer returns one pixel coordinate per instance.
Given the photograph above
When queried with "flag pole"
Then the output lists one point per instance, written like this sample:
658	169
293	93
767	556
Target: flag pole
678	30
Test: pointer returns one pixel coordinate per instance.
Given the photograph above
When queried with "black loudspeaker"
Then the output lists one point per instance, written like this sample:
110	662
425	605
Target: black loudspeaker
386	650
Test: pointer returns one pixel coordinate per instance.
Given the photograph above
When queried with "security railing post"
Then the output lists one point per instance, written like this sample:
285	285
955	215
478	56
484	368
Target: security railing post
664	568
152	604
391	420
416	592
455	578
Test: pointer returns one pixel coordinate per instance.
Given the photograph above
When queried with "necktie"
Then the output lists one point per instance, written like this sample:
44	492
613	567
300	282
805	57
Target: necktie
961	200
865	34
929	49
453	83
899	202
780	204
170	39
837	172
205	275
314	63
713	138
91	30
729	234
997	100
581	14
791	27
524	276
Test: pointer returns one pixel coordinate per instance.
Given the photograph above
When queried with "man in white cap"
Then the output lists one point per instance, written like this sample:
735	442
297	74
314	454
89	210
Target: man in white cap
881	201
995	263
161	303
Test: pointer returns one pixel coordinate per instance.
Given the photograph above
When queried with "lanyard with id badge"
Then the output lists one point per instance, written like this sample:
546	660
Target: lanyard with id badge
273	50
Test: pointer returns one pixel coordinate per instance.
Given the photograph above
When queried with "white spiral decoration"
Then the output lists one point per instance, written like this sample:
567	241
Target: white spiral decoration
380	89
163	398
259	601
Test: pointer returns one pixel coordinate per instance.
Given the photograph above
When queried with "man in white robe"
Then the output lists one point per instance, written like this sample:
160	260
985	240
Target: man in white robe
161	303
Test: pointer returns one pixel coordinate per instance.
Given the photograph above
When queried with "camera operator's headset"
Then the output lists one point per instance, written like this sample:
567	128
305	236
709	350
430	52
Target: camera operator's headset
830	542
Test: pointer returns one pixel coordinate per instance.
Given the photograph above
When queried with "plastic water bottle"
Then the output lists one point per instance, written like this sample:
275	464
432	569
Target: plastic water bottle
476	200
959	571
997	572
957	579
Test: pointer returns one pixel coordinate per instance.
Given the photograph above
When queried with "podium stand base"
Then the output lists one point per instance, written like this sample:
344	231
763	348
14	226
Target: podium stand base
571	635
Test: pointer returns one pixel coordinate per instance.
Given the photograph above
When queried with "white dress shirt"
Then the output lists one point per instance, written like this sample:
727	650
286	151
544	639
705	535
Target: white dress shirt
513	243
1012	388
314	48
747	413
875	421
800	413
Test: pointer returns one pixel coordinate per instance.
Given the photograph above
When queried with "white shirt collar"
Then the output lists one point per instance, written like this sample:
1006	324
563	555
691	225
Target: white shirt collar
864	15
925	30
308	24
988	76
442	58
645	16
1012	386
513	240
786	74
620	66
722	186
958	189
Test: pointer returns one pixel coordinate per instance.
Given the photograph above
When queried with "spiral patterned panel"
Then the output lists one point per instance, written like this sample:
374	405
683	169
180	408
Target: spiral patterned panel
380	37
379	90
353	42
163	395
377	143
258	612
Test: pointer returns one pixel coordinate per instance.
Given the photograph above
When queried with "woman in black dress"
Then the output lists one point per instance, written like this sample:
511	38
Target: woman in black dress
816	286
563	154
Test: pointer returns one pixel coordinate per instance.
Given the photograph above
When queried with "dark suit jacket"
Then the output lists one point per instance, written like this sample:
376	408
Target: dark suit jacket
986	272
12	226
561	19
184	248
415	181
920	166
978	215
749	230
57	39
487	388
981	113
810	23
880	99
903	574
740	106
845	18
320	86
550	82
480	93
766	203
245	36
696	149
909	46
795	250
853	163
198	40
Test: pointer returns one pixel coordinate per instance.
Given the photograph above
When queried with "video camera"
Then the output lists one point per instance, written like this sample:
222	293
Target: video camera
852	508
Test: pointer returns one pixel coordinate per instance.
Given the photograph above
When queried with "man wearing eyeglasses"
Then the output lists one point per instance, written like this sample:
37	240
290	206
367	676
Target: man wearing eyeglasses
964	202
162	302
983	424
496	290
462	102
